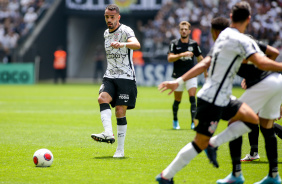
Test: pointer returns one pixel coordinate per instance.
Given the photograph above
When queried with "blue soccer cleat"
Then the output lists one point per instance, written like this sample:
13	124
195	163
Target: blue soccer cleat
270	180
192	126
176	125
162	180
211	154
231	179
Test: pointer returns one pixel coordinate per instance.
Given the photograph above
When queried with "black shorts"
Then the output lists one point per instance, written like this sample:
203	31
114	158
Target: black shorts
208	116
122	91
231	109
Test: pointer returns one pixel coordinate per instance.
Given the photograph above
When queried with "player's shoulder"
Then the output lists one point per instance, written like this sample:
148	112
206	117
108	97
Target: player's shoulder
175	41
124	27
192	42
106	32
234	34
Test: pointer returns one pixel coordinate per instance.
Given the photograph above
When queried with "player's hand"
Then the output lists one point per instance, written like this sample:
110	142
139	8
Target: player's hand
172	85
243	84
187	54
206	74
117	45
280	114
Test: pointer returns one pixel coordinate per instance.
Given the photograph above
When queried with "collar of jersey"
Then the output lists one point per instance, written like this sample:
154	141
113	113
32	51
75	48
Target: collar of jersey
115	29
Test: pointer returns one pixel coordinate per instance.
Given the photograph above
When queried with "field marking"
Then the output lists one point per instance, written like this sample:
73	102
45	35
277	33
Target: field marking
95	111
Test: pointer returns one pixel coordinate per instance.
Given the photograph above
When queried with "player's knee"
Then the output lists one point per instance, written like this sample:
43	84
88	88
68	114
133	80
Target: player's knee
120	111
201	142
267	133
103	99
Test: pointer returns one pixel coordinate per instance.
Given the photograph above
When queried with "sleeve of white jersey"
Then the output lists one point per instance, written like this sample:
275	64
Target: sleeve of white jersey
129	32
250	47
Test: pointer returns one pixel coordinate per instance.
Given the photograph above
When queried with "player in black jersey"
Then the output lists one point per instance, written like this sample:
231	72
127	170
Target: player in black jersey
182	52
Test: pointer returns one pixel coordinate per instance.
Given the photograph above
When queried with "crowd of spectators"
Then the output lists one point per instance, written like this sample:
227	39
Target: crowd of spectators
17	18
265	25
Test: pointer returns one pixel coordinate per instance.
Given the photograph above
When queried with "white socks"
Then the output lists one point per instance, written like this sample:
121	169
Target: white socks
121	132
106	116
184	156
232	132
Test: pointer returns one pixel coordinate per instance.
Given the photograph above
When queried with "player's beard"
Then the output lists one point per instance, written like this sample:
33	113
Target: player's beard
113	25
184	36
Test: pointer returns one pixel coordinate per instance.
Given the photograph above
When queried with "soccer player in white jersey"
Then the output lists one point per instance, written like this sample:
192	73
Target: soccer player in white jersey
263	95
119	84
230	49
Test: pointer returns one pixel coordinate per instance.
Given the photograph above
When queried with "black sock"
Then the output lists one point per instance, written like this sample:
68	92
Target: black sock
271	149
253	139
196	147
235	147
193	107
175	109
278	130
104	106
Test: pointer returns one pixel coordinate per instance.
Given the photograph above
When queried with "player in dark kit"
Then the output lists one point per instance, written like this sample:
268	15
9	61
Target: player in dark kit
182	53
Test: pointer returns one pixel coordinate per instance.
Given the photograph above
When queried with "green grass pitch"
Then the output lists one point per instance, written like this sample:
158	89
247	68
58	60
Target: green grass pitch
61	118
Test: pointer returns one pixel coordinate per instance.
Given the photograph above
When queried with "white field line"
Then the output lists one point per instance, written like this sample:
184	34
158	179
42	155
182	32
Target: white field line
135	111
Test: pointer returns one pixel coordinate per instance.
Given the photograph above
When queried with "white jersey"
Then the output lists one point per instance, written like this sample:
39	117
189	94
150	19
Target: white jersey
119	61
230	48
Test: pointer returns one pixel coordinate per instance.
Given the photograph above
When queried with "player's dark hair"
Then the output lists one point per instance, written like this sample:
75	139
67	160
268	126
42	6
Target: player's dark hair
241	11
112	7
220	23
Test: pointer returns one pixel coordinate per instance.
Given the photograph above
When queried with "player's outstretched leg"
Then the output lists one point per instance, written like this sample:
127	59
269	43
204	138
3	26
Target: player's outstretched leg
106	136
231	179
162	180
211	154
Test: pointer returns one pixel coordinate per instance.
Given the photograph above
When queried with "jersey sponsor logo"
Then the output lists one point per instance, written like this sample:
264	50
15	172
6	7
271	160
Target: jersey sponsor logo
115	55
178	48
185	58
116	71
213	126
190	49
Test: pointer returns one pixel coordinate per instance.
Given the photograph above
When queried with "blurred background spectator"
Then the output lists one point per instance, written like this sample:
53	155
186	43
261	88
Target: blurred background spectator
17	19
265	26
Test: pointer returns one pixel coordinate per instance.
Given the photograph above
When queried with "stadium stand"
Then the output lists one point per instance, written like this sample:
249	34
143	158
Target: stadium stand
157	33
17	19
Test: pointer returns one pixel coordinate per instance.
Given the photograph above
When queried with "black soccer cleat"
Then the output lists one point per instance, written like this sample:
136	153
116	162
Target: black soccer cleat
103	137
212	155
162	180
